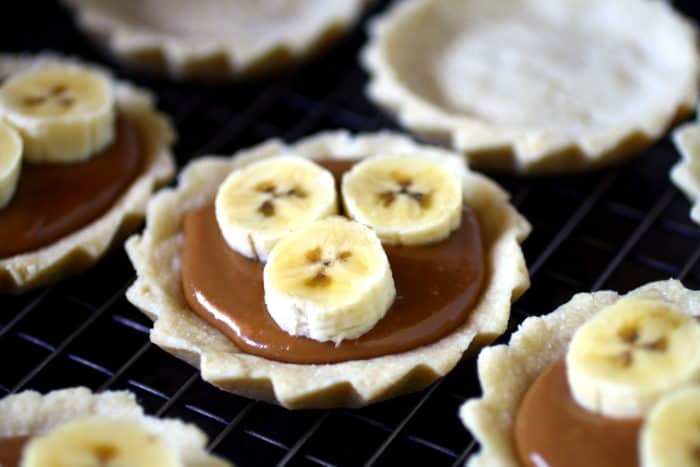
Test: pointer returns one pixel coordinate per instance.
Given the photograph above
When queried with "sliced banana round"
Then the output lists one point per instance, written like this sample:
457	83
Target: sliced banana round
625	357
262	202
10	162
408	200
328	280
65	113
99	442
671	432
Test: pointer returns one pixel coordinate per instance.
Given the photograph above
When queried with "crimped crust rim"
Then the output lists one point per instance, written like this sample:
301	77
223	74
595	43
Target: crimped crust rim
183	54
349	384
506	371
530	151
31	413
82	248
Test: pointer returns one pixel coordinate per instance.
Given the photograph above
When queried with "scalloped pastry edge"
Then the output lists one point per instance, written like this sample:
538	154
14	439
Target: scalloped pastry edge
507	371
494	147
686	173
182	59
82	248
31	413
155	255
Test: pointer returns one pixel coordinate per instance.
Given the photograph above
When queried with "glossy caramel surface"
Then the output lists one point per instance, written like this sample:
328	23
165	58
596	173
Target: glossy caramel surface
437	286
55	200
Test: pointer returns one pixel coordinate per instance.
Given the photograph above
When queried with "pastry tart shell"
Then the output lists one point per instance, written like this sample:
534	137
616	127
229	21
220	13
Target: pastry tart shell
31	413
524	87
506	372
82	248
216	39
157	291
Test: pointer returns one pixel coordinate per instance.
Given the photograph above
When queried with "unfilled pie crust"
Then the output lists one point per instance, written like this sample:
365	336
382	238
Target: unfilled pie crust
31	413
215	38
686	173
85	246
507	371
158	292
535	86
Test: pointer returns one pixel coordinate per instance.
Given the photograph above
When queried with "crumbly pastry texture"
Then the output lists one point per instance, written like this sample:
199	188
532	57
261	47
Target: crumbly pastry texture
507	371
535	87
31	413
157	291
215	38
686	173
84	247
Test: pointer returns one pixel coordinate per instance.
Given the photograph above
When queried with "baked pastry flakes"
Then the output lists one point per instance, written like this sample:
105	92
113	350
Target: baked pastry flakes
83	247
534	87
686	173
215	38
32	414
158	290
507	373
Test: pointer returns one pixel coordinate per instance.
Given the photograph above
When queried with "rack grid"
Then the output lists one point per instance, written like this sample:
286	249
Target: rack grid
616	228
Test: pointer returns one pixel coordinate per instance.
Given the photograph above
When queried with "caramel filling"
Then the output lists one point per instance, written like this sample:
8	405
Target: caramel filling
11	450
437	286
54	200
551	428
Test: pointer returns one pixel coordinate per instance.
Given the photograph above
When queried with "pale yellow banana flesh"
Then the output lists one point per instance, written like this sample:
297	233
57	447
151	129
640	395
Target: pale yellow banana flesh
64	113
408	200
631	353
329	281
670	435
260	203
99	442
10	162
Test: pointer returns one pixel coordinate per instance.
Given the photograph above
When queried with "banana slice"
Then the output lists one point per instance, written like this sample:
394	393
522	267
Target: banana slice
625	357
262	202
671	433
65	113
10	162
329	280
408	200
99	442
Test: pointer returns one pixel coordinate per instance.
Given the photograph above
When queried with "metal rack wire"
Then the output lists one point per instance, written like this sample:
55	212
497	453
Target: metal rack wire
617	228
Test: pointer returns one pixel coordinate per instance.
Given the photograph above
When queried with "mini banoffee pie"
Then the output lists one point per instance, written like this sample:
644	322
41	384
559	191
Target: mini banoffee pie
604	380
686	173
80	155
215	38
533	86
74	427
337	271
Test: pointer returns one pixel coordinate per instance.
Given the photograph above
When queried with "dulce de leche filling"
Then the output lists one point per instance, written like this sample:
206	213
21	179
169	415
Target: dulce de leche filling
54	200
552	429
437	286
11	450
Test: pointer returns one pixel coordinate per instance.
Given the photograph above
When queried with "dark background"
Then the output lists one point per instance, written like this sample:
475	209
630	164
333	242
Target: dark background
616	228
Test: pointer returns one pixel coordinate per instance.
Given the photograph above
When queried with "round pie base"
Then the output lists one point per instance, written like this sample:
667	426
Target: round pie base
215	39
506	372
158	292
82	248
535	87
30	413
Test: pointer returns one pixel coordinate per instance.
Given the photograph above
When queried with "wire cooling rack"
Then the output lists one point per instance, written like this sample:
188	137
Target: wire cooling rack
617	229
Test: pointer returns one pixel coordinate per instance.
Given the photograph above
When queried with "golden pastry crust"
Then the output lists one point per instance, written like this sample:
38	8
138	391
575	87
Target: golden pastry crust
507	371
158	292
584	96
82	248
216	38
31	413
686	173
